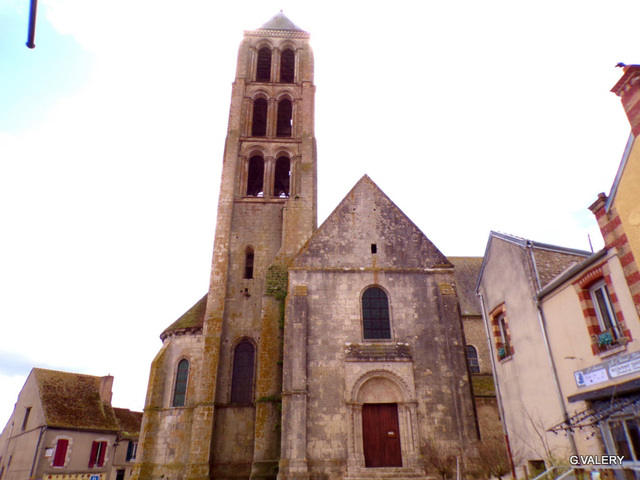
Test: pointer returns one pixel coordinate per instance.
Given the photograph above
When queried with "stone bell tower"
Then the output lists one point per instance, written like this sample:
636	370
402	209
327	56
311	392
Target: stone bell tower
213	401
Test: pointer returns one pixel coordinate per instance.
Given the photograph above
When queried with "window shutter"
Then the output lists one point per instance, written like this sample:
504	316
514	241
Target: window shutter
103	452
61	453
92	455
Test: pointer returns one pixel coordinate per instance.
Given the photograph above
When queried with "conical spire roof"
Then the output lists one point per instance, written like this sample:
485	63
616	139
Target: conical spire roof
280	22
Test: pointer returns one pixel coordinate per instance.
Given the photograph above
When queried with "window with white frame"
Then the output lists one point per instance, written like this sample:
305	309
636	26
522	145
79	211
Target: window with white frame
604	309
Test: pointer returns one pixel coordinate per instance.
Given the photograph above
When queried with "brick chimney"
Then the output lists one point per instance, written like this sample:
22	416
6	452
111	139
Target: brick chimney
106	383
628	89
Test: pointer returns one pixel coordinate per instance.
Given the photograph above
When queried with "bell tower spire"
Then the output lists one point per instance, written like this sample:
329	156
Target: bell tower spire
224	355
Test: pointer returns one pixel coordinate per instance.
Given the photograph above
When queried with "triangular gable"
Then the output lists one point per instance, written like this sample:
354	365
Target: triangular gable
366	219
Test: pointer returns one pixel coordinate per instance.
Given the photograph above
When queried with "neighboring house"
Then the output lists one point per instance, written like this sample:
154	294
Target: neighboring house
514	270
565	328
63	426
126	446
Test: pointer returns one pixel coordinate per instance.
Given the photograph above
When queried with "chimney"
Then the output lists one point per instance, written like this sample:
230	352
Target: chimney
628	89
106	383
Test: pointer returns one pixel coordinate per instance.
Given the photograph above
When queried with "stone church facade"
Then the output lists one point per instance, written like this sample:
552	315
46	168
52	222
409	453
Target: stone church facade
332	352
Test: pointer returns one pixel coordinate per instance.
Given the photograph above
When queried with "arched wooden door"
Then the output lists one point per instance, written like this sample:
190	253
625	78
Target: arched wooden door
381	435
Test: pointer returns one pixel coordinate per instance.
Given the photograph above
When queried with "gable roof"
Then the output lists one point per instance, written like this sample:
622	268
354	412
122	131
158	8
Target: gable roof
365	219
192	319
72	400
549	261
466	272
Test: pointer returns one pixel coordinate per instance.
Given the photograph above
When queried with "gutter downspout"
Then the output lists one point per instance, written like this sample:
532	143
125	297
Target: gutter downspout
547	346
37	452
497	386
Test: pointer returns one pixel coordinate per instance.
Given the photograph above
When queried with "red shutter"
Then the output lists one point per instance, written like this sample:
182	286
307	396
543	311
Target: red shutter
103	451
61	453
92	455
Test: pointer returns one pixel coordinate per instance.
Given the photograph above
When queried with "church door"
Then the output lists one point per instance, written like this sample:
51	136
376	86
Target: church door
381	435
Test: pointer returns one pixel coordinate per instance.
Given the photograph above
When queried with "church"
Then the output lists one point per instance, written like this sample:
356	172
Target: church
331	352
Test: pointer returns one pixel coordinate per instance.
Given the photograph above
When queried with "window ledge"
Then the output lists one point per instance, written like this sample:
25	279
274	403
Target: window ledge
614	349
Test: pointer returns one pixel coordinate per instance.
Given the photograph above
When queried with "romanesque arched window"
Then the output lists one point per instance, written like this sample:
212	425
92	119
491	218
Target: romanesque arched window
180	386
242	376
375	314
281	178
472	359
263	68
287	66
255	177
285	117
259	123
248	263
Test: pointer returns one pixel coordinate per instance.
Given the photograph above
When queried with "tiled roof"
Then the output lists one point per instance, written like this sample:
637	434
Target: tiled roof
550	264
466	270
192	318
128	421
72	400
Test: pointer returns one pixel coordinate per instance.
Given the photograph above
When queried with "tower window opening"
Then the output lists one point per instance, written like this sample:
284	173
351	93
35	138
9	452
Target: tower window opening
255	178
259	125
374	248
248	263
263	70
282	178
242	375
285	116
287	66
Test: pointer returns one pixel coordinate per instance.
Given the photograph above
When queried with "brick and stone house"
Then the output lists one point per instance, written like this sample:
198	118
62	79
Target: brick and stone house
63	426
331	352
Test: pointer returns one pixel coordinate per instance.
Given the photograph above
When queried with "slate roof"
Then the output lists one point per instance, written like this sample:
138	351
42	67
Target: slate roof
550	260
72	400
280	22
128	421
466	271
190	320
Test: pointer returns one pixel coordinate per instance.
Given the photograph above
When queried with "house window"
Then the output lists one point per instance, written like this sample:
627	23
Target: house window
255	177
472	359
281	178
375	314
180	389
501	334
98	452
626	438
120	474
248	263
259	122
27	411
601	310
287	66
604	310
263	70
242	376
285	116
61	452
132	449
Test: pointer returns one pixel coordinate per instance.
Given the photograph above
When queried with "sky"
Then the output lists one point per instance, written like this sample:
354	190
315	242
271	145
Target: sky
471	116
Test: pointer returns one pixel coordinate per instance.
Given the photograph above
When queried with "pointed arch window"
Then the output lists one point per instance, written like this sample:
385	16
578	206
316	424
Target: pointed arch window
242	376
282	178
248	263
285	118
259	125
180	388
255	177
375	314
287	66
263	68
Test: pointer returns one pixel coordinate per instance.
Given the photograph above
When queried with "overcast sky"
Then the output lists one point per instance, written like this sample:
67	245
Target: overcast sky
471	115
